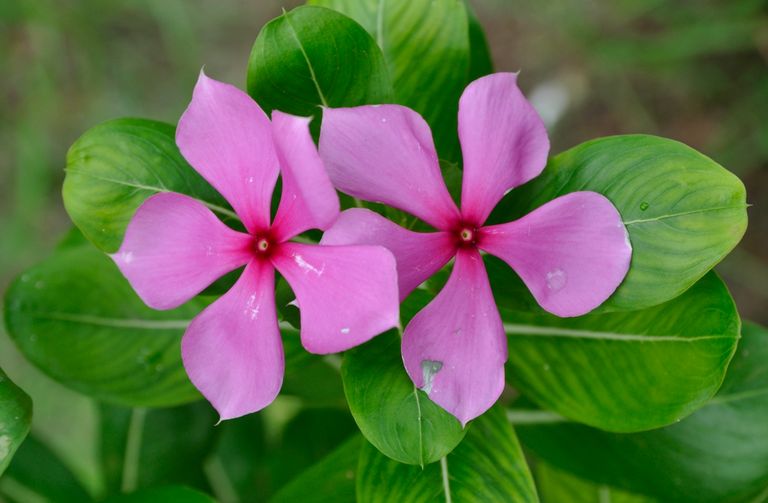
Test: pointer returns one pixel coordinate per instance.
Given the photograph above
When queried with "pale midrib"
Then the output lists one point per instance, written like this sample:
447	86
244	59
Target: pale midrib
682	214
420	418
610	336
103	321
306	58
446	481
137	323
380	25
152	188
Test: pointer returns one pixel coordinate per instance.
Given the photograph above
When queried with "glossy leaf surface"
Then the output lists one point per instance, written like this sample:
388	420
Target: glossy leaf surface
15	419
683	211
113	167
626	371
487	466
719	453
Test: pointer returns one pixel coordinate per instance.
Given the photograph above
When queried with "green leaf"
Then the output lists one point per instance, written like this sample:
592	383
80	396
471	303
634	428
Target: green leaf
331	479
175	494
113	167
719	453
480	62
556	486
15	419
142	448
400	420
626	371
24	476
683	211
426	44
311	57
487	466
76	318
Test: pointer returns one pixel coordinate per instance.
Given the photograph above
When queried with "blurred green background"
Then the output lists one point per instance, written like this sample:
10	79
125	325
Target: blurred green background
695	71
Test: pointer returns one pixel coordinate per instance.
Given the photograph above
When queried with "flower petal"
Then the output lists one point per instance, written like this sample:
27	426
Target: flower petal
385	153
503	142
346	294
232	350
309	200
227	138
455	348
174	247
419	255
572	252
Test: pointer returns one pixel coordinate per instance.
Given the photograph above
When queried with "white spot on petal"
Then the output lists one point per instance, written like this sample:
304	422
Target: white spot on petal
429	368
556	279
306	266
126	257
344	330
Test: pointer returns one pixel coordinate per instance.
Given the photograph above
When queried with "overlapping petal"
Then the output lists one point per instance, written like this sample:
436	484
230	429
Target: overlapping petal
227	138
174	247
572	252
455	348
503	142
308	199
385	153
419	255
232	351
346	294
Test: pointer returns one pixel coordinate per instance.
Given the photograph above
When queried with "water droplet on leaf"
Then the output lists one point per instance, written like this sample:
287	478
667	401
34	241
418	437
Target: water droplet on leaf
644	206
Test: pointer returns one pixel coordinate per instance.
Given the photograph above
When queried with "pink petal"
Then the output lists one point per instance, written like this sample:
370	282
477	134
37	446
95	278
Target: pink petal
174	247
572	252
232	350
455	348
385	153
346	294
503	141
227	138
419	255
309	200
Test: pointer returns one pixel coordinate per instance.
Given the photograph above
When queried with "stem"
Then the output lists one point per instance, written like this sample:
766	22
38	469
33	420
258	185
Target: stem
131	461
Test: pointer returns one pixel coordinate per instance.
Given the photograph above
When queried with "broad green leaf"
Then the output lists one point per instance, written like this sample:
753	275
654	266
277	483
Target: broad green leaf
76	318
312	57
719	453
395	416
142	448
626	371
480	62
557	486
331	479
23	476
175	494
683	211
426	44
487	466
15	419
113	167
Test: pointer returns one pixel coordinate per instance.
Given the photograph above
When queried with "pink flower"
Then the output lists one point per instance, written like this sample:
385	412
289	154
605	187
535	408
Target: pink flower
174	247
572	252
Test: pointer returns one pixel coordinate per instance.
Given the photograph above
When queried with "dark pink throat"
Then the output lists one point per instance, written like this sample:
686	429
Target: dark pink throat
466	236
263	245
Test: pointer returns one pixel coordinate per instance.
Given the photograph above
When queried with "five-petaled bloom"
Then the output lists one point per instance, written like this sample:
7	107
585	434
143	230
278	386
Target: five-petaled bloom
572	252
174	247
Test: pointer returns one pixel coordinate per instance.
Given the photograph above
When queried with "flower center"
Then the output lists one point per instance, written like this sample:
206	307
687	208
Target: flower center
467	236
262	245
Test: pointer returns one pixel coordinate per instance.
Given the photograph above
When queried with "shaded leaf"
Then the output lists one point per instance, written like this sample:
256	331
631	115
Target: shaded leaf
175	494
556	486
331	479
76	318
719	453
15	419
487	466
59	484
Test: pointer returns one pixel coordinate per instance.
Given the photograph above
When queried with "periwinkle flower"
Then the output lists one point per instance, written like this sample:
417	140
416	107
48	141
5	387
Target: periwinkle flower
571	252
175	246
